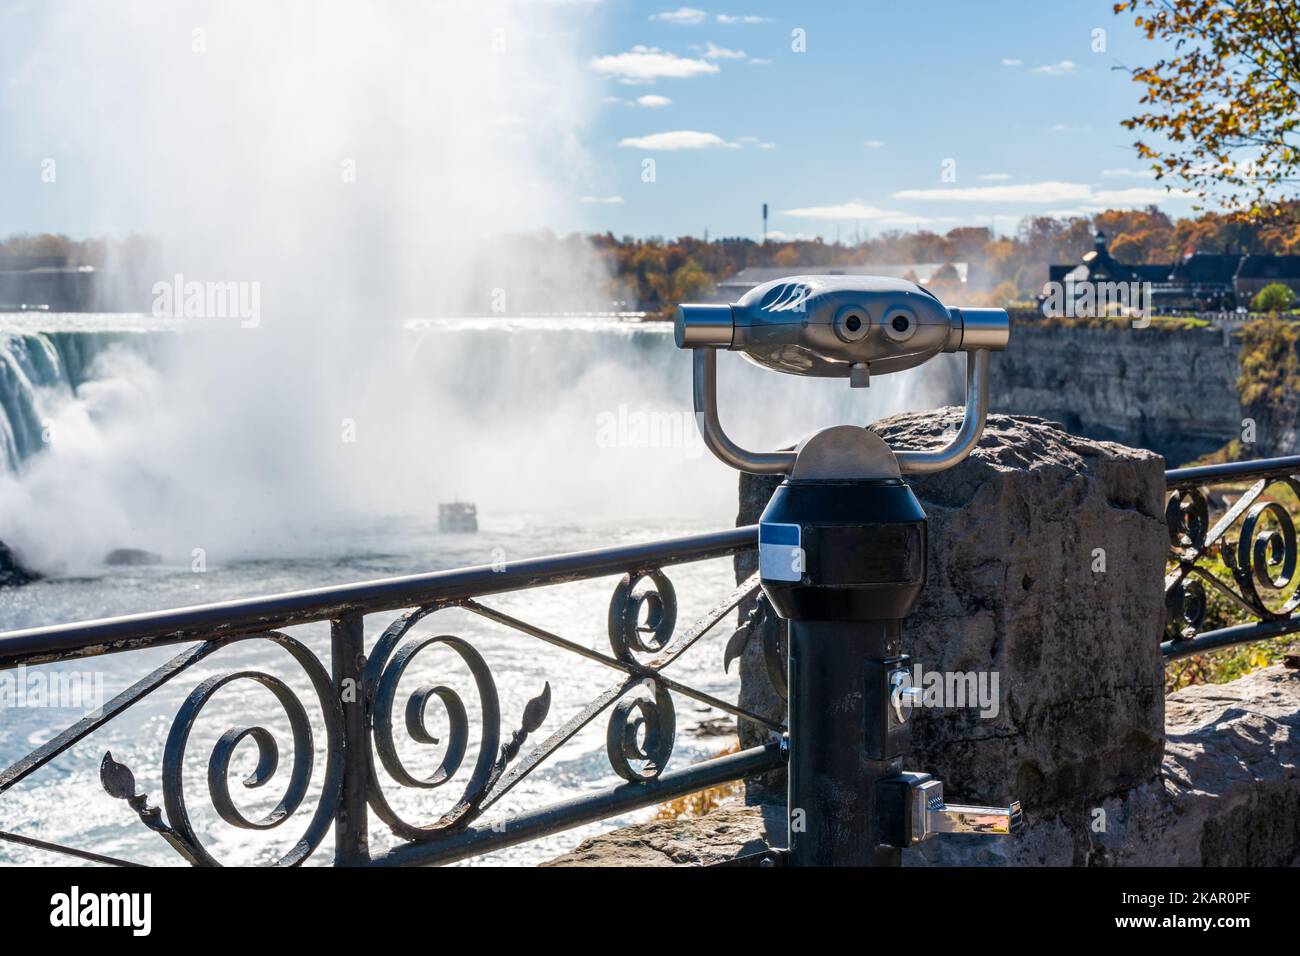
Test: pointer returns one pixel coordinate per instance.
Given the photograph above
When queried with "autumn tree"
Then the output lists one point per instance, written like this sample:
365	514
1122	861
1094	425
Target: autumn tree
1224	103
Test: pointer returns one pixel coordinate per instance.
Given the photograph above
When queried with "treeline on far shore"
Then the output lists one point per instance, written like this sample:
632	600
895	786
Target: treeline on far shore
653	274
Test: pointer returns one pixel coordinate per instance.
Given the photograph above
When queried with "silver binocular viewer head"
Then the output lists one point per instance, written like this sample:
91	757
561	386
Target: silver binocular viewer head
840	326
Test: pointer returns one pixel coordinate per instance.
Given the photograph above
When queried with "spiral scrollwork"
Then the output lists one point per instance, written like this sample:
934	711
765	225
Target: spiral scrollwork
642	730
385	674
642	619
1266	557
268	760
458	733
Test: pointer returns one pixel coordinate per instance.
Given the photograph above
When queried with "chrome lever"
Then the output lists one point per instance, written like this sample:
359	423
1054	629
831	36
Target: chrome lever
958	818
926	813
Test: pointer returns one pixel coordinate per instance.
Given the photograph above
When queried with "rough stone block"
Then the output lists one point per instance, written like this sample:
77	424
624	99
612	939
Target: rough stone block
1015	588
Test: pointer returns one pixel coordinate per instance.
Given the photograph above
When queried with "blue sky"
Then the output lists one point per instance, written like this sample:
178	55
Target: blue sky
854	131
1017	101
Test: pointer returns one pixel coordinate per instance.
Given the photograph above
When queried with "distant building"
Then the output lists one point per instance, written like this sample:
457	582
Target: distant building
1255	272
1200	282
733	287
45	283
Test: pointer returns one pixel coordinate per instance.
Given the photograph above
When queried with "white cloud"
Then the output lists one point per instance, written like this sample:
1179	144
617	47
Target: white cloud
857	209
722	53
767	145
759	61
725	18
683	16
601	200
1049	192
653	101
1056	69
995	177
1136	196
676	139
1013	62
645	64
1128	173
873	143
1020	192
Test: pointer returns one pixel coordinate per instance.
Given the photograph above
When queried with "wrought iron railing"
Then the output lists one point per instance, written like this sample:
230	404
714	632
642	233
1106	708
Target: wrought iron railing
357	693
357	696
1247	557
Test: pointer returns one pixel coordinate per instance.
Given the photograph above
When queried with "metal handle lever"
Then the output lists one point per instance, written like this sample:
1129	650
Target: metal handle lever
781	462
957	818
920	812
930	815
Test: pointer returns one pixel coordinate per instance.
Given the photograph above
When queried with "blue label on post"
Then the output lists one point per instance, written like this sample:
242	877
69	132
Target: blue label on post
780	554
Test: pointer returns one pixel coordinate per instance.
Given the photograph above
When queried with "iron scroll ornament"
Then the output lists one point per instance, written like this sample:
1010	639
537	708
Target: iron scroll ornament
1262	561
178	828
382	676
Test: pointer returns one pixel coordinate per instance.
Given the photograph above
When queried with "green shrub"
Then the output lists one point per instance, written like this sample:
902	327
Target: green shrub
1274	297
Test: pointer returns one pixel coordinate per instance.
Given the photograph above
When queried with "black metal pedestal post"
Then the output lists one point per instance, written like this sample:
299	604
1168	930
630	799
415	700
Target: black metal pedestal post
858	554
840	742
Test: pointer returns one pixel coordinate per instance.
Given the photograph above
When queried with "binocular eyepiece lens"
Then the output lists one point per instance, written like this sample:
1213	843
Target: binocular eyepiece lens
900	326
852	324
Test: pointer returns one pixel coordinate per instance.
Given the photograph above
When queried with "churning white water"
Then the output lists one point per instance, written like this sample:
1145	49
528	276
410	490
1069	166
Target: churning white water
352	164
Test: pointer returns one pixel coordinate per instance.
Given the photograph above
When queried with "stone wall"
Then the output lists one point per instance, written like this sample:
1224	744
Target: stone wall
1015	535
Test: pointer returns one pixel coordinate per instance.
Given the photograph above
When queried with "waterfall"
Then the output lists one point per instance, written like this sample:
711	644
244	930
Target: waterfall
40	371
225	441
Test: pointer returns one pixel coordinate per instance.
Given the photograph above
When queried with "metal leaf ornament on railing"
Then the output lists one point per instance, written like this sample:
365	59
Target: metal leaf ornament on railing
773	644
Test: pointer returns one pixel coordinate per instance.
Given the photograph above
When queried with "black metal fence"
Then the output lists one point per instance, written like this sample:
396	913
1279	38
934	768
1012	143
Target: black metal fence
1247	557
357	692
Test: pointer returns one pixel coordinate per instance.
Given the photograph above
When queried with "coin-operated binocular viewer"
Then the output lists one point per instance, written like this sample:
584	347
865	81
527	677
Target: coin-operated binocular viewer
842	549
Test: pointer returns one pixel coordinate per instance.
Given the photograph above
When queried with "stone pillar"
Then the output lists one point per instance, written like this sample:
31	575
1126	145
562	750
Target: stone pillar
1046	564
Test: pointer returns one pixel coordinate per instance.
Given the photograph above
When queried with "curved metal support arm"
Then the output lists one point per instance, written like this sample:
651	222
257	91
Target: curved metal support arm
781	462
706	416
972	425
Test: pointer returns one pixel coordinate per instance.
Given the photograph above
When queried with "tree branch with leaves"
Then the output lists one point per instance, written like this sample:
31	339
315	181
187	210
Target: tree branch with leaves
1225	102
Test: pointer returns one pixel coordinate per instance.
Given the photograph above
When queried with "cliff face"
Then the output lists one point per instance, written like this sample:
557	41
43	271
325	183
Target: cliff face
1173	391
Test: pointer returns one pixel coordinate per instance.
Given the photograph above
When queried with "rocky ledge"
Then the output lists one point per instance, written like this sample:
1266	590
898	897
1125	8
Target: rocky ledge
1228	795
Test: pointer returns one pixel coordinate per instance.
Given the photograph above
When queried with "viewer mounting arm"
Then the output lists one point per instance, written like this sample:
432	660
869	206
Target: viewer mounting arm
839	326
